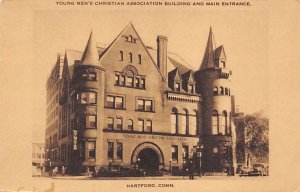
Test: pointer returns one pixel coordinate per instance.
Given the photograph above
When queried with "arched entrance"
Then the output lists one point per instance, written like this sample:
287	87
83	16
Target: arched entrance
148	160
147	156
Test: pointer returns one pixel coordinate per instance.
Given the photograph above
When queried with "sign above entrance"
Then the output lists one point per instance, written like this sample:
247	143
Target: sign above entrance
154	137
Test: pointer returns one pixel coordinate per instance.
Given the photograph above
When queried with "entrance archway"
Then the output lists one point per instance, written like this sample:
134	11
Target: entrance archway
148	160
147	156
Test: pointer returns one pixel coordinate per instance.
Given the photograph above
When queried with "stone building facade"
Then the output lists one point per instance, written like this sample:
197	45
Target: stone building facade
129	105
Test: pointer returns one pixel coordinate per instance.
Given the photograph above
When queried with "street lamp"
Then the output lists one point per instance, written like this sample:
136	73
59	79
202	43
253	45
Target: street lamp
170	165
138	163
199	154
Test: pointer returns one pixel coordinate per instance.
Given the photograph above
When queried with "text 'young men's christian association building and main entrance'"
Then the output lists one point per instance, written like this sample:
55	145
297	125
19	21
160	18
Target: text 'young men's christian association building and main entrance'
128	105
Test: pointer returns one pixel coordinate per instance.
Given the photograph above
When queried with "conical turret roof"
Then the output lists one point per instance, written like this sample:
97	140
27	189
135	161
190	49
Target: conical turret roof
90	55
208	58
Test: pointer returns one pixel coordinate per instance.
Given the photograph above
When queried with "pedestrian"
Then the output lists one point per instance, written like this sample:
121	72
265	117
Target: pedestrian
63	171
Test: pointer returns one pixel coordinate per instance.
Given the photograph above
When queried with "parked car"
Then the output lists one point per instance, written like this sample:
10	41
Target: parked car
245	171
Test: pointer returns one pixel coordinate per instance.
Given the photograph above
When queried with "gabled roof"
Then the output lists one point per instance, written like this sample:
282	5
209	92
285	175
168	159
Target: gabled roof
188	77
90	55
173	61
220	53
208	58
174	74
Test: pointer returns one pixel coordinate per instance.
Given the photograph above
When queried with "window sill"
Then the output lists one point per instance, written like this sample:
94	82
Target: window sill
114	108
140	88
137	110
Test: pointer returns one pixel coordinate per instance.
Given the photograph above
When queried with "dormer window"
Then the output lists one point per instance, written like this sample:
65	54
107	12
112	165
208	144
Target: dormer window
223	64
177	86
191	88
130	38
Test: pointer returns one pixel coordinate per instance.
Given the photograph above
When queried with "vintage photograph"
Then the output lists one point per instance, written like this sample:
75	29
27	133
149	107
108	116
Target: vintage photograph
150	96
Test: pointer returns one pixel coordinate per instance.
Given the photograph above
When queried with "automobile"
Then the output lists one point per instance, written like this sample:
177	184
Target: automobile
245	171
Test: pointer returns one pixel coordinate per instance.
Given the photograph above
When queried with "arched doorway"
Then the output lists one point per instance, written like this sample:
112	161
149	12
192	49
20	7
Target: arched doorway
148	160
147	156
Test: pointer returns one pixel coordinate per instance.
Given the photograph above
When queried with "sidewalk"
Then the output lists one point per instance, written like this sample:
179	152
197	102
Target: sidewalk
165	177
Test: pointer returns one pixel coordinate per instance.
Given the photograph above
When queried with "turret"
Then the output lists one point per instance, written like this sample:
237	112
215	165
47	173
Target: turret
214	84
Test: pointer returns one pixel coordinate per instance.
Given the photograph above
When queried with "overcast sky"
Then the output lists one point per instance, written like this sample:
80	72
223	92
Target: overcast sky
244	35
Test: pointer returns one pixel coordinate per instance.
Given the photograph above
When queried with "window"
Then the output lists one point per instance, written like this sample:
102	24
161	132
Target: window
221	90
91	121
130	38
119	123
119	150
215	122
224	123
148	126
83	98
114	102
121	55
184	123
143	83
137	82
92	98
88	98
174	126
129	81
144	105
110	123
117	79
110	151
185	153
177	86
93	76
226	91
175	153
193	125
130	125
130	57
141	125
91	148
215	91
84	75
223	64
191	88
122	80
140	59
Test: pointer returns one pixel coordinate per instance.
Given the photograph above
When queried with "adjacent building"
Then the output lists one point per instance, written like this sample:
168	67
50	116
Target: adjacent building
38	154
129	105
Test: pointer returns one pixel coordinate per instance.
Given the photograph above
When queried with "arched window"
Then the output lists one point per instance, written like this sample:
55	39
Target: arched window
140	59
224	123
130	125
130	57
226	91
215	91
121	55
193	123
215	122
184	122
221	90
174	121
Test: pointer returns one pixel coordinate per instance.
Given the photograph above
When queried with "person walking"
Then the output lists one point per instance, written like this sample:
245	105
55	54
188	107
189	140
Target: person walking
63	171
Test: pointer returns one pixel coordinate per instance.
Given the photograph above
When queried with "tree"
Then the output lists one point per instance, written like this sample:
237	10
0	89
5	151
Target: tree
257	137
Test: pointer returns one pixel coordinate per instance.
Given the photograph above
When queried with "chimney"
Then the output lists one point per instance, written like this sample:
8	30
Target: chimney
162	55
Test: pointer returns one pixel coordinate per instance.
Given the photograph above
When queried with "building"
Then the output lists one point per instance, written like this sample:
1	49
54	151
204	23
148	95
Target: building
38	154
129	105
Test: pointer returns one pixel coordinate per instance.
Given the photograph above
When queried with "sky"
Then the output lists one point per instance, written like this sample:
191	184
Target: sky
244	35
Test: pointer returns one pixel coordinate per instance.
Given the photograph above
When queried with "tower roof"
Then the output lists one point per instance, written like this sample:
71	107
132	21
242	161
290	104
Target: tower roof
208	58
90	55
220	53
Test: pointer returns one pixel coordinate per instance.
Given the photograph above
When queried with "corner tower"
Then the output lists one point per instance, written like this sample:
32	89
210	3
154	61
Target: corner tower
88	97
217	134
